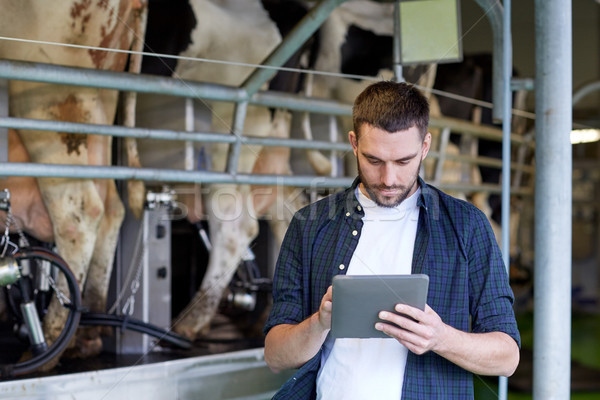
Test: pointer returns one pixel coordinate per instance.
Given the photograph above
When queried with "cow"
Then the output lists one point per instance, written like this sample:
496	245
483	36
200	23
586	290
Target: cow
81	216
250	40
231	210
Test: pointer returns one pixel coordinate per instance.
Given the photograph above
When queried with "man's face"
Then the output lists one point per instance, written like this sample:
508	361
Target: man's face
389	163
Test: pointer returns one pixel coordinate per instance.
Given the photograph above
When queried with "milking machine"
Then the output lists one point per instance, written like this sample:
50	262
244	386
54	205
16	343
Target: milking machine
30	277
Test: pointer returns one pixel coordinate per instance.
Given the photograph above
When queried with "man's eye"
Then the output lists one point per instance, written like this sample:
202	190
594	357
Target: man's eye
374	162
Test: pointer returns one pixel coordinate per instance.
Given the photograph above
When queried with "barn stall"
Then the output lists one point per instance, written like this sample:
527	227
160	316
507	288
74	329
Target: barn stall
188	89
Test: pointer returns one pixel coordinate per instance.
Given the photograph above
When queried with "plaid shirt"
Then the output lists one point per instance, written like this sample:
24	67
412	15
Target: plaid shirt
455	246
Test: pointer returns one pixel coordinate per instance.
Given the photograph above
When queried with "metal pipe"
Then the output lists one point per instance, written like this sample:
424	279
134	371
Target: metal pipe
333	137
165	175
482	161
506	156
585	90
300	103
397	44
441	159
295	38
189	127
3	113
480	131
233	155
124	81
162	175
38	72
494	11
163	134
553	200
455	125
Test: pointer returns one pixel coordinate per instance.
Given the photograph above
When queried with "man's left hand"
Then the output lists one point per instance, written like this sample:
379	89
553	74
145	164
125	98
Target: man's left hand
420	331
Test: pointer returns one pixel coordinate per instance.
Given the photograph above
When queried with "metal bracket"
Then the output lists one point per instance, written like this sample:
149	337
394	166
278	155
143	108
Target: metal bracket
522	84
161	200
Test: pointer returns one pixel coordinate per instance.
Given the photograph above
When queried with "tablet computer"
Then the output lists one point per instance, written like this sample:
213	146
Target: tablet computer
358	299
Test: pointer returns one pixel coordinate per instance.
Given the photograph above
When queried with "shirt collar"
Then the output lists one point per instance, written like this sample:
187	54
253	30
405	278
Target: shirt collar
352	206
429	200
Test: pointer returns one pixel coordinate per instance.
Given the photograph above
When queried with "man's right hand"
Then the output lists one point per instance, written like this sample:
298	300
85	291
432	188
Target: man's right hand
325	310
291	345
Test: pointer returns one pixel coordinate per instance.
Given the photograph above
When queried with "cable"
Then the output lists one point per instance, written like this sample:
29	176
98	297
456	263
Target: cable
125	322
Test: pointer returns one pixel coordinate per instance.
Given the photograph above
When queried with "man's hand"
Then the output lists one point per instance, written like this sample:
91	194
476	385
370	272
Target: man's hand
491	353
325	310
291	345
422	332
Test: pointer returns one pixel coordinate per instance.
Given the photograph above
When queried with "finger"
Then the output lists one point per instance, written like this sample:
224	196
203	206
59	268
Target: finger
412	341
329	294
404	336
402	321
412	312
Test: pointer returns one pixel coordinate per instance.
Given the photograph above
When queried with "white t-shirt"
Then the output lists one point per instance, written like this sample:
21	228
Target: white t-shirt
358	369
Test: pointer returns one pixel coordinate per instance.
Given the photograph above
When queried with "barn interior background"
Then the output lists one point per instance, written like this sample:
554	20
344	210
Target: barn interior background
188	255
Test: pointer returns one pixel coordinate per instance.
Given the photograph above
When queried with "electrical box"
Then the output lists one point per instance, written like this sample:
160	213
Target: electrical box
430	31
144	276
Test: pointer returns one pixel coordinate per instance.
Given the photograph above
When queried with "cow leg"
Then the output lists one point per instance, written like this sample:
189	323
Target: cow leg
96	284
232	229
100	269
277	203
76	211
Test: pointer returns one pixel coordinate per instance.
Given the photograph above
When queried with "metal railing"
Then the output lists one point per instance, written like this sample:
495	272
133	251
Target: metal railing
160	85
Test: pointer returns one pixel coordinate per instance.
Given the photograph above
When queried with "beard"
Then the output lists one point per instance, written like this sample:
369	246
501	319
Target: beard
374	191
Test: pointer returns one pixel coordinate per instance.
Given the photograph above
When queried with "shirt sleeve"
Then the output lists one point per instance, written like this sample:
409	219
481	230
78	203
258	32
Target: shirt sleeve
288	280
491	297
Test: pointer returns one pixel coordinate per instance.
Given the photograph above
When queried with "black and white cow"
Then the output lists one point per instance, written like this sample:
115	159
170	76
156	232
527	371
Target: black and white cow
355	39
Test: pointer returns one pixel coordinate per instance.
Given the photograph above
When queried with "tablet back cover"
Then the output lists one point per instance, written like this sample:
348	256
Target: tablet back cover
357	300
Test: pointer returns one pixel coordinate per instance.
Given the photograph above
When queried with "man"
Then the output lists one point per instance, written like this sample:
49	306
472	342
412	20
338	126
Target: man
390	221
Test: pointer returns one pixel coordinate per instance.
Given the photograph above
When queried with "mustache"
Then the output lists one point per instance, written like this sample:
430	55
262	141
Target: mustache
384	187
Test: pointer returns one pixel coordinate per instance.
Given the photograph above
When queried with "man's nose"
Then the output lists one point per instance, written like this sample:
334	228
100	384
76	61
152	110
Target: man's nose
387	175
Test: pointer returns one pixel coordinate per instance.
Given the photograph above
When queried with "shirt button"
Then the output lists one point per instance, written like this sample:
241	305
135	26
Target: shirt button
342	266
354	232
347	214
358	208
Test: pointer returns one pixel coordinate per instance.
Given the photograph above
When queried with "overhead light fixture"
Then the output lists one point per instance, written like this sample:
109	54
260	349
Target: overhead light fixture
584	136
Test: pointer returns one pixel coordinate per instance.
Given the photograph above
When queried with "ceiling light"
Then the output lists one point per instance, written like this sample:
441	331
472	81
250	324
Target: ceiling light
585	135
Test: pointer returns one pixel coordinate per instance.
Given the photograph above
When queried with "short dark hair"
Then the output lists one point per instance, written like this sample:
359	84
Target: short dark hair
391	106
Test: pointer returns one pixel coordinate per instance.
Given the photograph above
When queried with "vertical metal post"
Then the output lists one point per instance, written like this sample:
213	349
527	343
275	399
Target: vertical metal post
333	137
397	54
189	127
237	129
3	114
553	200
493	11
506	157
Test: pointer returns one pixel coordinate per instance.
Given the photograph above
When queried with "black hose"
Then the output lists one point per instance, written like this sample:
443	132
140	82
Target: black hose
71	323
136	325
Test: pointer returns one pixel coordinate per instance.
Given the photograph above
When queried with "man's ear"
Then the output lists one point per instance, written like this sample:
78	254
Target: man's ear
426	146
353	141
